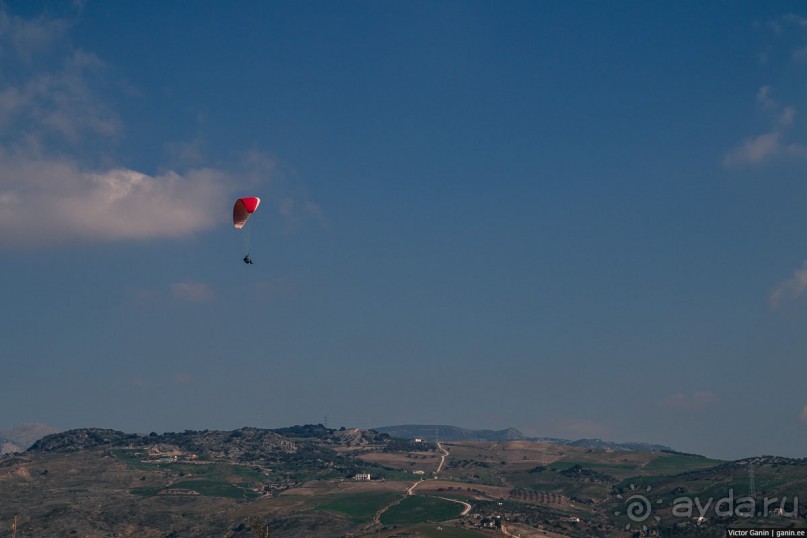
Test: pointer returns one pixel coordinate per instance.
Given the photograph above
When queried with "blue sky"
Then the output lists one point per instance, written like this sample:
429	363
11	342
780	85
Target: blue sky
579	219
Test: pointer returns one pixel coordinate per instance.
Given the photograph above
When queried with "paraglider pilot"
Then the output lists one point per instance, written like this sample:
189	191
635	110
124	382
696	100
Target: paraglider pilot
243	208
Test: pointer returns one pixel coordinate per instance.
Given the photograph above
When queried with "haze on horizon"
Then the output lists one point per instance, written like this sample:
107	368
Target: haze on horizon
575	219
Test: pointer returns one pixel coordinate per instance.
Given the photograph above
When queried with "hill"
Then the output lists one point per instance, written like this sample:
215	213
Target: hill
621	447
431	433
312	481
453	433
23	436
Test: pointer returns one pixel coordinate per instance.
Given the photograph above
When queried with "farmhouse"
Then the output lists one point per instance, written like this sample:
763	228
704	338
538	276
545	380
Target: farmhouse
362	476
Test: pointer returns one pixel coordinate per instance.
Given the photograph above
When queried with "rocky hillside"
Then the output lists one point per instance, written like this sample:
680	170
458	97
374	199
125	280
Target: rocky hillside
7	447
246	444
242	445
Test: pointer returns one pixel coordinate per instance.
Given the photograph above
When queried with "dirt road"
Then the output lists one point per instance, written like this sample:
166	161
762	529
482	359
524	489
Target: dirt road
411	489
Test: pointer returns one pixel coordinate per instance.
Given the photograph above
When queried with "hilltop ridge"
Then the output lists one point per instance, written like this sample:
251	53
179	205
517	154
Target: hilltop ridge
317	482
244	444
432	432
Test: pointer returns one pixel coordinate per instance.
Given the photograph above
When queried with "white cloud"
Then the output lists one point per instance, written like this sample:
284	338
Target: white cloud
764	147
48	86
787	116
783	139
50	107
754	150
798	20
764	98
781	24
791	288
48	200
26	38
56	126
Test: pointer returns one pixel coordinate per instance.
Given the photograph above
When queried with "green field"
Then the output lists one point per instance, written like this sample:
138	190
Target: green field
431	531
128	457
360	507
222	496
211	479
146	491
419	509
679	463
213	488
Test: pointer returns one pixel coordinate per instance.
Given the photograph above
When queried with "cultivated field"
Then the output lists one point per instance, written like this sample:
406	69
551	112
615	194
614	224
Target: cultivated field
305	487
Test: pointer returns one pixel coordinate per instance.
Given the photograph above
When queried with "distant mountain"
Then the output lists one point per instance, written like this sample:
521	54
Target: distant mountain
39	437
618	447
23	436
449	433
454	433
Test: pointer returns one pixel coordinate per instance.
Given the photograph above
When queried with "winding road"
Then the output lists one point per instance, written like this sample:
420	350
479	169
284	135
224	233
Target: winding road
411	490
442	458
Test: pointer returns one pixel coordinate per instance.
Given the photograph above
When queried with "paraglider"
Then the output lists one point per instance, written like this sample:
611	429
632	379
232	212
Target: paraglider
242	210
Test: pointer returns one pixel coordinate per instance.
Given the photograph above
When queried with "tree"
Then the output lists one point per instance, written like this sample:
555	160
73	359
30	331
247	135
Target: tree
259	527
